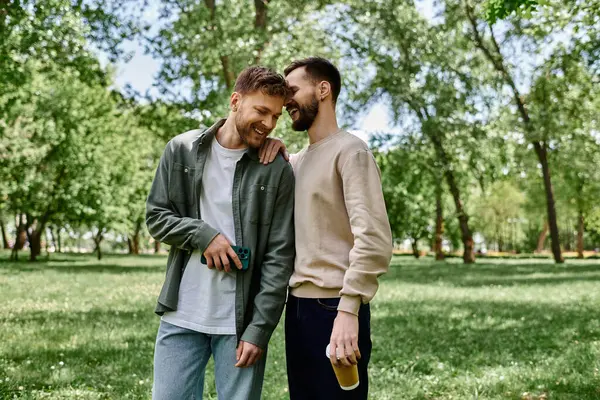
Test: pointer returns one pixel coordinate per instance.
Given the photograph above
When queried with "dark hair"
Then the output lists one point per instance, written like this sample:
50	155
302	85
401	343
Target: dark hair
319	69
265	79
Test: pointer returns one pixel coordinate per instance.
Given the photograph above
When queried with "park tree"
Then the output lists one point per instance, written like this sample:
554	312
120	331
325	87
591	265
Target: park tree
566	101
421	71
410	181
468	18
58	151
499	214
204	45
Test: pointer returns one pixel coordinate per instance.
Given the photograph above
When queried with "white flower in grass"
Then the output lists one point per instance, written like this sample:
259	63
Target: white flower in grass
61	363
52	367
141	382
21	388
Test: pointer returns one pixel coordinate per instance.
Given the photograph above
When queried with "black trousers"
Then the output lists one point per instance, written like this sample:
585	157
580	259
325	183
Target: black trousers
308	326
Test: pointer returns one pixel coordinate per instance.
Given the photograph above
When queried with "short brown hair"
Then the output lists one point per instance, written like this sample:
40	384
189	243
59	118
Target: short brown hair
265	79
319	69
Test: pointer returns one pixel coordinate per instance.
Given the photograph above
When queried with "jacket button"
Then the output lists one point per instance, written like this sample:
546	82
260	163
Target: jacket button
186	170
262	188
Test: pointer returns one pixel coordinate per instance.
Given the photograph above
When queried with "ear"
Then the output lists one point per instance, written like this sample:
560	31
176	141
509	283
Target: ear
235	101
324	90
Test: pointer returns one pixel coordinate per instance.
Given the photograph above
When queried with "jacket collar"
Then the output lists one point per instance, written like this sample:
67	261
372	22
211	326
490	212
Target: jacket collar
208	135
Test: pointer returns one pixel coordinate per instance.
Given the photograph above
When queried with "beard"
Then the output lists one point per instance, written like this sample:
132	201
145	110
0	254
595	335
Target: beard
306	115
246	132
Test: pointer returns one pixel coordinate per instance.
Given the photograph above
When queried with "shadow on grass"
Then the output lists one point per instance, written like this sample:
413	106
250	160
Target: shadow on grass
491	273
469	336
113	352
77	263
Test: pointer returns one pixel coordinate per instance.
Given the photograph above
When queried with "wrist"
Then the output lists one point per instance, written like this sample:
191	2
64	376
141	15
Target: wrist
350	304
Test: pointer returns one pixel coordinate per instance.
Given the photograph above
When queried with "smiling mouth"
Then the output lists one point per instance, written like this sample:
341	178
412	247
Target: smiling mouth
260	132
293	112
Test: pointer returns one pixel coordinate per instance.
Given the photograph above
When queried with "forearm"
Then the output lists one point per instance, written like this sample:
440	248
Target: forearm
164	223
276	269
183	232
372	250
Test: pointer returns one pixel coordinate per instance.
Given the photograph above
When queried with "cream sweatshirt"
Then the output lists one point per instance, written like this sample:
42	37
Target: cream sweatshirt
343	236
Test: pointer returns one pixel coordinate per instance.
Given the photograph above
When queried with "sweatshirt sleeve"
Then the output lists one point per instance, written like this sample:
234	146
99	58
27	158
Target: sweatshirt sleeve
372	251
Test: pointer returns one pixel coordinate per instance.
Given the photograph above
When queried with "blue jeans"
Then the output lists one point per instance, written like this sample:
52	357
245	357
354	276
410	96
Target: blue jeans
180	359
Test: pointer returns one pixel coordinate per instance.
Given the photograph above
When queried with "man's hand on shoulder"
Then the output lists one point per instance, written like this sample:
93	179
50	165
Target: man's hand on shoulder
269	149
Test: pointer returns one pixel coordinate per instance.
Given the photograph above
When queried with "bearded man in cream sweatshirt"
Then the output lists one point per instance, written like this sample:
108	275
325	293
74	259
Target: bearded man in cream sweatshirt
343	239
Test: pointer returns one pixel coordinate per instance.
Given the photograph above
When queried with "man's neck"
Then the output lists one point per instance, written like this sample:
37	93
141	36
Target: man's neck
324	126
228	136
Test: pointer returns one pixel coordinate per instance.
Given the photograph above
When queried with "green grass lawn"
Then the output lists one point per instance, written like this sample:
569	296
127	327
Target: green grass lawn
76	328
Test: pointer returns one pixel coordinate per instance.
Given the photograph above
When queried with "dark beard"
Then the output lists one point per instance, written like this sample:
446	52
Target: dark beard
306	115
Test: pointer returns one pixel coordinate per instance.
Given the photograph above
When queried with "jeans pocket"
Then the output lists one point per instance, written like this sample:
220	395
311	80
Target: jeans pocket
329	304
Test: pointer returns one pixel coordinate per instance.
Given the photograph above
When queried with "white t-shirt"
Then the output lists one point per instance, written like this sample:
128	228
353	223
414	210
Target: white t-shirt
207	296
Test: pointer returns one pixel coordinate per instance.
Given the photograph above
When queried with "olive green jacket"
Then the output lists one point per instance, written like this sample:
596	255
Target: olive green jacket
263	214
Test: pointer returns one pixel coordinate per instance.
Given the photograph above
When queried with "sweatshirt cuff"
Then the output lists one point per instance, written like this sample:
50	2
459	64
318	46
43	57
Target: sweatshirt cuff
350	304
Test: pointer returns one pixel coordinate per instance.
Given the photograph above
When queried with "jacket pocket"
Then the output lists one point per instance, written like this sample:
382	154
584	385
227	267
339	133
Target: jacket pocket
258	203
181	184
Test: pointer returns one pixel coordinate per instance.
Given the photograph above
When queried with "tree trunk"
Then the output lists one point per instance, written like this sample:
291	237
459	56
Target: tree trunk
439	224
415	248
35	243
97	242
542	238
5	244
21	234
580	229
135	249
540	150
496	58
21	237
53	238
129	245
228	73
58	240
463	218
260	26
156	247
135	242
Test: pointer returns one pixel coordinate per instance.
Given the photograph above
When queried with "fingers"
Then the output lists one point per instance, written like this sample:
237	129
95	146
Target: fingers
238	352
255	357
350	355
332	354
225	262
247	355
344	353
286	155
273	150
356	350
261	151
209	261
234	257
269	151
265	150
244	357
217	262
